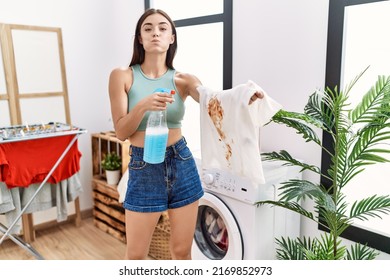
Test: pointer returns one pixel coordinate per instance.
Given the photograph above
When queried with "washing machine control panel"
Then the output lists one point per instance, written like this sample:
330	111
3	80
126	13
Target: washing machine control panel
217	180
226	183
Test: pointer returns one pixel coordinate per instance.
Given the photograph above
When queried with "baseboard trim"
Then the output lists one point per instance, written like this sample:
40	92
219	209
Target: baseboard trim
71	219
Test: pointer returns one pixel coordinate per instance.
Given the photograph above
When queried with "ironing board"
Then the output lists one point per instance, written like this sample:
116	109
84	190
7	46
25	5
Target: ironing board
13	134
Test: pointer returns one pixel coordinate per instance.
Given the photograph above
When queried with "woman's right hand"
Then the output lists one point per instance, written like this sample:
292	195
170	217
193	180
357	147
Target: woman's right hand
158	101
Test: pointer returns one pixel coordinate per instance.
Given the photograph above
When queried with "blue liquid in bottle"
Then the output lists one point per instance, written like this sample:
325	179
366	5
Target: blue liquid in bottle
156	135
155	144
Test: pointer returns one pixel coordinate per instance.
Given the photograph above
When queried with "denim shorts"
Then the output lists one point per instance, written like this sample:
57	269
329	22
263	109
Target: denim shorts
157	187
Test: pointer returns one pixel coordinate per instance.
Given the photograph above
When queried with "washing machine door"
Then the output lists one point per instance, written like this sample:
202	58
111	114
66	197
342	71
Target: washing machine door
217	234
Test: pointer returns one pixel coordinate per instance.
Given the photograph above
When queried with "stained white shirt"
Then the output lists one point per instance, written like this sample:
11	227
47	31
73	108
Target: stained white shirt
230	129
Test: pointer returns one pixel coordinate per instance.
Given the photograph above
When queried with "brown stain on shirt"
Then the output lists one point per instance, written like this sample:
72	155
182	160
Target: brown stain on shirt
216	114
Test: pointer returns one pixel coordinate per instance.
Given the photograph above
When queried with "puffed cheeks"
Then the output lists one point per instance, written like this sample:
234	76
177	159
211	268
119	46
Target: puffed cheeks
255	96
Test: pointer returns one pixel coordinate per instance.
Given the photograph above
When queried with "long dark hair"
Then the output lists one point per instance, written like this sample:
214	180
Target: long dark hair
138	49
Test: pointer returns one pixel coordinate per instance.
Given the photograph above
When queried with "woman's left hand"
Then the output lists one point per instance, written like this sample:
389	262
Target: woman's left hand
255	96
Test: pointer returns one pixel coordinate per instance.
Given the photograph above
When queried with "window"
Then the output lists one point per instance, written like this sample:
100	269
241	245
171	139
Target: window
204	32
353	45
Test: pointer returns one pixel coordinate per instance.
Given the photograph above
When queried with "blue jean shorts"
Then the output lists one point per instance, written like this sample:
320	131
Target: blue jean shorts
157	187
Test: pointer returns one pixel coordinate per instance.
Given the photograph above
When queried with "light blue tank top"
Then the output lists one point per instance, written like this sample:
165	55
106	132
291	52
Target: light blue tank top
143	86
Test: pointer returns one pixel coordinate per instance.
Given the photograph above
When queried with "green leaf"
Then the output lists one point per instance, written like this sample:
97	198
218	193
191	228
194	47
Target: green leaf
363	152
284	156
370	207
296	189
325	249
294	122
371	157
309	249
290	249
111	161
361	252
354	81
371	104
293	206
319	107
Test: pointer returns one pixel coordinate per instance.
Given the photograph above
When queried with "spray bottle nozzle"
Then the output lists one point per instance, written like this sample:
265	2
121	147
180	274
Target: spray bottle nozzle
164	90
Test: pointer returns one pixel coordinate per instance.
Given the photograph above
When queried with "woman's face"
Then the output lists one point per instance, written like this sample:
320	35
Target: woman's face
156	34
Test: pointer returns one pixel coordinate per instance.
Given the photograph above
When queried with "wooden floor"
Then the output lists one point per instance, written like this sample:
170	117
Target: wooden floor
68	242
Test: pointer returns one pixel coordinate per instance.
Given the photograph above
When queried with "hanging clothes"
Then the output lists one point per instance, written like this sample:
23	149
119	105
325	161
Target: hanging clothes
230	129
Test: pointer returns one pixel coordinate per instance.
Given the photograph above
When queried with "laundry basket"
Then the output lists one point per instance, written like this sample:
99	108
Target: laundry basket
159	246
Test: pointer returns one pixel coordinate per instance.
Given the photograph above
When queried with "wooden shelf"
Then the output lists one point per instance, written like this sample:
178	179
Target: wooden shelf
106	142
108	213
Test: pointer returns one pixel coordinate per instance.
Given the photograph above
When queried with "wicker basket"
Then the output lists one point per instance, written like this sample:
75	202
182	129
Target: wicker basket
159	247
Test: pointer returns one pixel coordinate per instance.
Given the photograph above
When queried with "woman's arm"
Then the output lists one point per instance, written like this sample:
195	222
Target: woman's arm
190	83
125	124
187	85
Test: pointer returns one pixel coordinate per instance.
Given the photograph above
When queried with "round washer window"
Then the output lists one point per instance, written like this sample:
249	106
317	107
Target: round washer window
211	234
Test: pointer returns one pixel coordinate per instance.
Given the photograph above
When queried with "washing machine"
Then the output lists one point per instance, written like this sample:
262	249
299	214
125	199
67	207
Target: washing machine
231	227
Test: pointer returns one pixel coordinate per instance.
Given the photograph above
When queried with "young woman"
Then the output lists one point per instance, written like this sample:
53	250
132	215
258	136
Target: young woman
173	185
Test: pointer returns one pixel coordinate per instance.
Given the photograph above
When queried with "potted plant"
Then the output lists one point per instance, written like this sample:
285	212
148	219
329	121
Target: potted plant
112	163
356	133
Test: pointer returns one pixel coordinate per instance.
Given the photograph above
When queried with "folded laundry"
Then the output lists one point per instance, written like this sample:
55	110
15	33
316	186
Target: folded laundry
230	129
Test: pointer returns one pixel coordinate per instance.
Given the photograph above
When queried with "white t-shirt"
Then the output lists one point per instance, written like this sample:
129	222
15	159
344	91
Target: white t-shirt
230	129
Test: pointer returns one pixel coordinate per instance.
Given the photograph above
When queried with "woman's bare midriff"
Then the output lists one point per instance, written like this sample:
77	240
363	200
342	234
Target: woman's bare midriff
138	138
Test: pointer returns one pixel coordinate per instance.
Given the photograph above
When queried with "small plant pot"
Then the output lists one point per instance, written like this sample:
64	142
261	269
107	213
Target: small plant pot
113	176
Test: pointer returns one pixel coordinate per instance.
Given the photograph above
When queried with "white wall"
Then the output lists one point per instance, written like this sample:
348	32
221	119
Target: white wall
280	44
